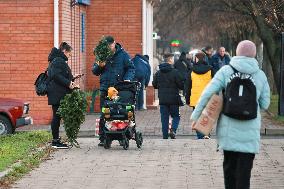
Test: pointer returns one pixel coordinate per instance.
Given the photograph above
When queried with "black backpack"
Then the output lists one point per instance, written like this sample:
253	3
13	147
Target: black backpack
41	84
240	97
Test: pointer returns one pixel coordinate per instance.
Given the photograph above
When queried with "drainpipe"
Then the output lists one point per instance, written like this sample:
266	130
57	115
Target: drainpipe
56	23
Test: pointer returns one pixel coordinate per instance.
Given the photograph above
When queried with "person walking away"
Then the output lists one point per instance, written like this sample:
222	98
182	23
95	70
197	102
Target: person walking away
60	84
142	75
199	77
168	82
118	67
183	67
239	139
220	59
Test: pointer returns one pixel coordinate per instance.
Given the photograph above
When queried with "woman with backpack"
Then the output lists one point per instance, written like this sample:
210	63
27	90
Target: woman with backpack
238	128
60	84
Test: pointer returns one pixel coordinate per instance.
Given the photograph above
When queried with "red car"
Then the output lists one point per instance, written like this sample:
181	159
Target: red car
13	113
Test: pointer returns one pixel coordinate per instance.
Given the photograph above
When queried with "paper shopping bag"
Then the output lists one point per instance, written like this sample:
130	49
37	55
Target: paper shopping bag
210	115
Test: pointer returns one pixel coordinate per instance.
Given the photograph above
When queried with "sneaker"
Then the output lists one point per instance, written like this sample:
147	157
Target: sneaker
206	137
59	145
101	144
172	134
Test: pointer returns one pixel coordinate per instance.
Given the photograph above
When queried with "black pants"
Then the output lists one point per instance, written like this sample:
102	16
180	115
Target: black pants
237	168
103	95
55	123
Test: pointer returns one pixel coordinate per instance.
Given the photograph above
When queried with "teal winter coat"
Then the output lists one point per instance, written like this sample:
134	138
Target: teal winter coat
232	134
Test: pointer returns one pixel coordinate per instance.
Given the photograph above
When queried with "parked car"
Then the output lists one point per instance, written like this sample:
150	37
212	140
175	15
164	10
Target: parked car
13	114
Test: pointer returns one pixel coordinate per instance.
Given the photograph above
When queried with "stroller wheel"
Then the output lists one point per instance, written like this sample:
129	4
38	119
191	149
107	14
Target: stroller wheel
125	144
138	139
107	143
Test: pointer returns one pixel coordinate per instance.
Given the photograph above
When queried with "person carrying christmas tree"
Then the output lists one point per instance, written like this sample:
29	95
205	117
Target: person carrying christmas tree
117	67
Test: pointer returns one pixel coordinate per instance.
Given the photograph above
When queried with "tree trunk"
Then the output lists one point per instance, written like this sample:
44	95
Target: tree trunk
271	43
267	68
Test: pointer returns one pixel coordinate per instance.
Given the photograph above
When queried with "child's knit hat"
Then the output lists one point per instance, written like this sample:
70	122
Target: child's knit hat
111	91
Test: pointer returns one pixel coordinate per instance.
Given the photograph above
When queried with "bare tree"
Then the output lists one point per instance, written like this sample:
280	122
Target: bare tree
224	22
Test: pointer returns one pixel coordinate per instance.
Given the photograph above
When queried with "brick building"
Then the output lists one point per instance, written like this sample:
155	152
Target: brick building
30	28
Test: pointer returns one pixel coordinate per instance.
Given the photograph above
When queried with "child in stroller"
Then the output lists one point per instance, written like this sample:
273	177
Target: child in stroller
119	115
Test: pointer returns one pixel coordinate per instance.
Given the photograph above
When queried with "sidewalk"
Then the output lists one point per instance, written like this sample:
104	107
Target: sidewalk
172	164
149	123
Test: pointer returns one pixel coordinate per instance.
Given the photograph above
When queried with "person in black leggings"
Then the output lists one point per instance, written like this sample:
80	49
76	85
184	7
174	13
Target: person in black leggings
60	83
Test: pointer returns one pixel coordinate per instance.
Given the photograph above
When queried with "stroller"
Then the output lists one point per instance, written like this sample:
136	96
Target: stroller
119	117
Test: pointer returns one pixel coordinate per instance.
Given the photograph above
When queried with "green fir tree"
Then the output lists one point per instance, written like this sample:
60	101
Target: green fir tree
102	50
72	110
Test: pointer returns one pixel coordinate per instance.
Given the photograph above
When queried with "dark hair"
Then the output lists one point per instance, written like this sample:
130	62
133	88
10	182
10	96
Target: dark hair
167	56
200	55
65	46
208	48
109	39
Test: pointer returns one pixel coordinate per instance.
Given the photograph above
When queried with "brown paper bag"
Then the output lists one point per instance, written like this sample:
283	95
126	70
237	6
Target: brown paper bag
210	115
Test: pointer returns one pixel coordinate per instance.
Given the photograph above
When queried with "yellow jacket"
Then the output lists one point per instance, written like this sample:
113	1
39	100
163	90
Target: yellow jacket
199	82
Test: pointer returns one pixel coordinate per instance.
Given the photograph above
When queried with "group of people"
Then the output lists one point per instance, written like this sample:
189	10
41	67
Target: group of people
198	79
189	74
208	75
120	67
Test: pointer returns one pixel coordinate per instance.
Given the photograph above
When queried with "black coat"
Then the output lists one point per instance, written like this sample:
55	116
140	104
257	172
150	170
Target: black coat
168	82
60	76
183	66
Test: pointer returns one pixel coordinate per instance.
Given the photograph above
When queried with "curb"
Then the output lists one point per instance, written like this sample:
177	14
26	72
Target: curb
263	132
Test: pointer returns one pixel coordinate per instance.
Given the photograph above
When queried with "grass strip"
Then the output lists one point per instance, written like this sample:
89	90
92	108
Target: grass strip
21	153
273	108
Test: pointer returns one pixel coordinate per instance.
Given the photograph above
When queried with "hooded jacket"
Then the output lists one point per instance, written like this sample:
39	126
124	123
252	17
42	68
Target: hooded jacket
142	69
118	68
198	78
232	134
182	65
60	76
168	82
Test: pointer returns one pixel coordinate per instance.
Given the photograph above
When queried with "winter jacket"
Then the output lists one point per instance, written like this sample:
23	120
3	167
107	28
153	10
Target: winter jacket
232	134
118	68
183	66
218	61
54	53
198	78
142	69
168	82
60	76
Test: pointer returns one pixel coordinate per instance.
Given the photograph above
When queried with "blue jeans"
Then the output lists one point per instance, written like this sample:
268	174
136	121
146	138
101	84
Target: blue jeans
199	135
166	111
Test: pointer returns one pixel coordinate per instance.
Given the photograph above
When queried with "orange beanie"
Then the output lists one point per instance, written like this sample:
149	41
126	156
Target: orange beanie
111	91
